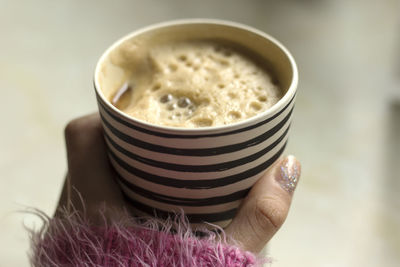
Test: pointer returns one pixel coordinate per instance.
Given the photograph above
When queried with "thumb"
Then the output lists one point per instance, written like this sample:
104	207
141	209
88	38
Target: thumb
266	207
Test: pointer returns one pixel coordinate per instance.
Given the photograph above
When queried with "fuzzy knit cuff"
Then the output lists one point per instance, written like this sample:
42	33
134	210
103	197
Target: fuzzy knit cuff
71	240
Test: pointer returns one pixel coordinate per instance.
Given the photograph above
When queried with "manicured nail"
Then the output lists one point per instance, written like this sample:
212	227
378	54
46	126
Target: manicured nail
289	174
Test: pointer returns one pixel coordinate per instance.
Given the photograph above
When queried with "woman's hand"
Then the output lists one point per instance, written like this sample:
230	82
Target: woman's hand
260	216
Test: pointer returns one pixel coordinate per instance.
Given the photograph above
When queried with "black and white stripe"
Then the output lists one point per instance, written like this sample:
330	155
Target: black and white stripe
204	173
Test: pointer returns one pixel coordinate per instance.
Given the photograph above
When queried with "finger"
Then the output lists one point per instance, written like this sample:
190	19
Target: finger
86	150
266	207
84	135
89	170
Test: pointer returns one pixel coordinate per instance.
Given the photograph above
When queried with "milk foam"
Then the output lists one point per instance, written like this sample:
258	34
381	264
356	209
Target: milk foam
195	84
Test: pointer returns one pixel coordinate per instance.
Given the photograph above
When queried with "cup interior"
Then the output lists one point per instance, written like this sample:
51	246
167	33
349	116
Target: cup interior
111	74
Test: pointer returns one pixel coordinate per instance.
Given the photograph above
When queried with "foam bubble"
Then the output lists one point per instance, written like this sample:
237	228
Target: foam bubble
177	108
182	58
183	102
232	95
256	106
156	87
172	67
262	98
166	98
172	106
234	115
203	122
188	113
224	62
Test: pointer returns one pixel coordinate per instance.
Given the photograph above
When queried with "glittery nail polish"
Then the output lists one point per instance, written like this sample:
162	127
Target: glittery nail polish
289	174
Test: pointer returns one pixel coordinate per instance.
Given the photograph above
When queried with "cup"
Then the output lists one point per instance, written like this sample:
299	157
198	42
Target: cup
204	172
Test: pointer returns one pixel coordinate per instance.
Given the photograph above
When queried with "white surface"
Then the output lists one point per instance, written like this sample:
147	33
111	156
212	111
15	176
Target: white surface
345	212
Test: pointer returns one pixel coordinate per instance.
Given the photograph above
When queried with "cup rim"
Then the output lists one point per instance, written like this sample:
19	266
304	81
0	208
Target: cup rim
249	121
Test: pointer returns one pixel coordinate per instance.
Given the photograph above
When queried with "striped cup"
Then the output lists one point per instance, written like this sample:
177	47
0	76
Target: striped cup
205	172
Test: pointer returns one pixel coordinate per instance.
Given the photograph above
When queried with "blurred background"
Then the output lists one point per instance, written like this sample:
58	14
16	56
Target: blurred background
346	128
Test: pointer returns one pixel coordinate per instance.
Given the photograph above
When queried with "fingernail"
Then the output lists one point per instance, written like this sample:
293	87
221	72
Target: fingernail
289	174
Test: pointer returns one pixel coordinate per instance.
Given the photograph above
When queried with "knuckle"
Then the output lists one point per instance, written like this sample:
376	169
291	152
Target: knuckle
72	129
83	131
271	211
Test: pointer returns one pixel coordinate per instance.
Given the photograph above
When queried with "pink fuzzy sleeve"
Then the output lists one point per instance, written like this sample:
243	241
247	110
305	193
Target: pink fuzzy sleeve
73	241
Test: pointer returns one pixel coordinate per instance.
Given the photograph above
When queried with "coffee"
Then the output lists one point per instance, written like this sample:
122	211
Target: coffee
192	83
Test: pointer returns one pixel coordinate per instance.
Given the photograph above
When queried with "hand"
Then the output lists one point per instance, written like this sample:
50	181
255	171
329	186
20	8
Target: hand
89	172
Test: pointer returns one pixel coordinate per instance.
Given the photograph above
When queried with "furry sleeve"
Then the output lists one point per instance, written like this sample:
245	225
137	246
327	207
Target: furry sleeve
71	240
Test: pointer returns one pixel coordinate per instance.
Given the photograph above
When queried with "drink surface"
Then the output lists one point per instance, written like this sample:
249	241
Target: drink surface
191	84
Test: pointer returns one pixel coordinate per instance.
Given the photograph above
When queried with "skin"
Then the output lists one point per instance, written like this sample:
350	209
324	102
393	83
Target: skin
260	216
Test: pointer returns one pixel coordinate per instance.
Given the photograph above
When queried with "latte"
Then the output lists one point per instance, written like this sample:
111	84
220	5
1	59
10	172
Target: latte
191	84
